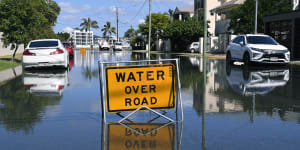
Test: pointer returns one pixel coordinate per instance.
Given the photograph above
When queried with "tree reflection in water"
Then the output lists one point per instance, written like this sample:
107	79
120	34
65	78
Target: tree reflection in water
20	109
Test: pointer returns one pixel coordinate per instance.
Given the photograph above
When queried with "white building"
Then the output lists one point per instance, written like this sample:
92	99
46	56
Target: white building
221	14
199	11
82	39
4	51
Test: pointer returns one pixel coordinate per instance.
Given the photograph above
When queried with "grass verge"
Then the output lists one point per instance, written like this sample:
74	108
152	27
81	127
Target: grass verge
207	55
6	62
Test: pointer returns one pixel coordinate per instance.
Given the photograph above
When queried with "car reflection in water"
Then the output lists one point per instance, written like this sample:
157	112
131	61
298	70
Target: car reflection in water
256	80
46	82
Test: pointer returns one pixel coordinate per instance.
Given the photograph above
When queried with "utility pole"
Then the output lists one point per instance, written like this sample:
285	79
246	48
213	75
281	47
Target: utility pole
256	9
149	42
117	11
205	29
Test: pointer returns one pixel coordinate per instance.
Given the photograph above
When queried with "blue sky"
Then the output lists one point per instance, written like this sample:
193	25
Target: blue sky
131	12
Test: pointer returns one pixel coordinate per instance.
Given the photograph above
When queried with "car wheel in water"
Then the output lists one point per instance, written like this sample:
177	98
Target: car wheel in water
246	59
246	73
228	58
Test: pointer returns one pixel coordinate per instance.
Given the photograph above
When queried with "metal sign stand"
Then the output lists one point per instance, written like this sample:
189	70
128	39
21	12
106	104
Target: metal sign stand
102	66
160	114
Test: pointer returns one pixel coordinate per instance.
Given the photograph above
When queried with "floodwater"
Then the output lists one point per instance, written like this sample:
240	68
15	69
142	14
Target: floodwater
239	108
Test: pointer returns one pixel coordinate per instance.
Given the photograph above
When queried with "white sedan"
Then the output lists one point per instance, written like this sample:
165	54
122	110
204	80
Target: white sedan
256	48
45	53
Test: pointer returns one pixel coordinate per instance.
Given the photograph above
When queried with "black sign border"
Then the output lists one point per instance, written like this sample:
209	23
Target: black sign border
139	66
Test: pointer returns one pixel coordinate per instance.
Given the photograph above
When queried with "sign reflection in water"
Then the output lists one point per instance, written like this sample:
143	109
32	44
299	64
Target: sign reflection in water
156	136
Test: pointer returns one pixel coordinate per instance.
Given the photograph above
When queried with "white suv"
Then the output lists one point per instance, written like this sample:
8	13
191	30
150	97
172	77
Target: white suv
256	48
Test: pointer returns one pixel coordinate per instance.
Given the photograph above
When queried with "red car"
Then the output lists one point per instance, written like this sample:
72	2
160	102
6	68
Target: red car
68	47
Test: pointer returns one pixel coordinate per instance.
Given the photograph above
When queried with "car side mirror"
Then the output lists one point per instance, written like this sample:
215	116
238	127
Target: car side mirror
242	43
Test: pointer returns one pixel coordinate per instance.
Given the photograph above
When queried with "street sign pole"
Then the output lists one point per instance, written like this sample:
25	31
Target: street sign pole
256	9
117	13
149	42
205	29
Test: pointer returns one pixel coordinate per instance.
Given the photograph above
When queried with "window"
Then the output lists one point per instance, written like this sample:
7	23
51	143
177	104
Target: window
236	40
66	45
260	40
242	39
44	44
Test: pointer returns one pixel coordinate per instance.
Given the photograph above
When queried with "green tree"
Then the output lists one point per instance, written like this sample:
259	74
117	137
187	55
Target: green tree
24	20
130	33
159	23
183	33
108	30
63	36
87	24
243	17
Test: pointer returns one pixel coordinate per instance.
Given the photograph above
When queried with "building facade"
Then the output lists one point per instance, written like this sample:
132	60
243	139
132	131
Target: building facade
284	28
221	13
82	39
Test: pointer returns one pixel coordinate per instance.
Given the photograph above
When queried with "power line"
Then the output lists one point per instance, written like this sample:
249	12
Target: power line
138	11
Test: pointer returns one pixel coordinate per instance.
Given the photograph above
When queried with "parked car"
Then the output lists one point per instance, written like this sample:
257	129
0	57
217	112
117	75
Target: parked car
69	48
45	53
194	47
256	48
118	46
104	45
126	45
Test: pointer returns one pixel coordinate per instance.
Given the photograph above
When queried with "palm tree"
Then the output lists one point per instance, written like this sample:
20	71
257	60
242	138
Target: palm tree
87	24
171	13
108	29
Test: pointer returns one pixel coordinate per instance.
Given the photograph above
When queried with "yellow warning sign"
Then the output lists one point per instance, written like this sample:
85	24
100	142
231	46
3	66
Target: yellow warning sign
140	136
131	87
82	51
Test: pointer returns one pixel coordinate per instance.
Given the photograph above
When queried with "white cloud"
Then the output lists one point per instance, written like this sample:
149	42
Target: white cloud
99	10
73	9
114	9
68	30
141	21
69	18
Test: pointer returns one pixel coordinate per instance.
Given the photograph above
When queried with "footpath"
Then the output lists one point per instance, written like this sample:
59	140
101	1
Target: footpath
10	74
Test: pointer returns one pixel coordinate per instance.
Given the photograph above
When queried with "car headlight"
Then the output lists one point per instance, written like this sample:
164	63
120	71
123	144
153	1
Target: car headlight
257	50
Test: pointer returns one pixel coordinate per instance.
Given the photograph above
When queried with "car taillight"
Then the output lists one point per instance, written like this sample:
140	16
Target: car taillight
28	86
58	51
58	87
27	53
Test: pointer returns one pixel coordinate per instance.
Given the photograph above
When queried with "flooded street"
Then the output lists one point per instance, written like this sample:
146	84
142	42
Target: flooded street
244	108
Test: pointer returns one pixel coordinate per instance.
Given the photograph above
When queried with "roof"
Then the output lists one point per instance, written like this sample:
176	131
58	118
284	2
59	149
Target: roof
228	5
189	9
282	16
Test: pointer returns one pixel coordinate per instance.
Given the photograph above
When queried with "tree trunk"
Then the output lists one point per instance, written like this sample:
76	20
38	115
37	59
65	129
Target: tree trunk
15	51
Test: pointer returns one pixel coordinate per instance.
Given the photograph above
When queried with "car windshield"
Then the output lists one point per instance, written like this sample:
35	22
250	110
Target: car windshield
118	43
260	40
196	44
43	44
66	45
